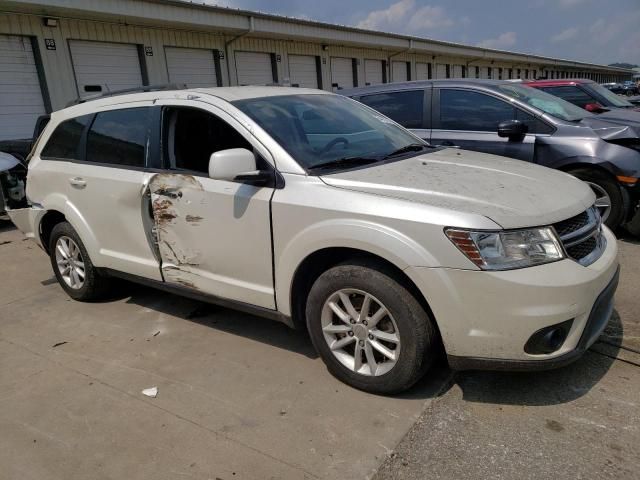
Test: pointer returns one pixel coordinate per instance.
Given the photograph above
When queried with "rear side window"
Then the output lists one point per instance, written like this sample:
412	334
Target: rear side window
571	94
466	110
65	140
406	108
118	137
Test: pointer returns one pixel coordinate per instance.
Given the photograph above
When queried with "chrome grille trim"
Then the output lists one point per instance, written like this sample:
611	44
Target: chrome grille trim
575	231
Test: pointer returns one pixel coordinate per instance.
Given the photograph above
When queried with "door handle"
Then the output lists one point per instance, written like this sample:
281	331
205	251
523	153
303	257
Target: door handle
78	182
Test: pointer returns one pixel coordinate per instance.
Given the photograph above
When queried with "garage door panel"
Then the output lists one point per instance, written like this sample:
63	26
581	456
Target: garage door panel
341	72
254	68
114	66
21	101
422	71
303	71
399	71
193	67
373	72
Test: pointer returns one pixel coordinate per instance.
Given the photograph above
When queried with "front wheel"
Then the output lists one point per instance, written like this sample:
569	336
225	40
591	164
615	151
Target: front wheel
370	331
609	199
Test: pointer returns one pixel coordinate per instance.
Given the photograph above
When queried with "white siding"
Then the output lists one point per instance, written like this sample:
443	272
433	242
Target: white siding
399	71
441	70
20	94
341	72
192	66
422	71
254	68
112	66
373	72
303	71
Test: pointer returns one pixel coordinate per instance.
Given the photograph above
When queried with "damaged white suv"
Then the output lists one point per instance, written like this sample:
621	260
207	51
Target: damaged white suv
312	209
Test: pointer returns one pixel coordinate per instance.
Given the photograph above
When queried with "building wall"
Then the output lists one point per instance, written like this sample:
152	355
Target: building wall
58	71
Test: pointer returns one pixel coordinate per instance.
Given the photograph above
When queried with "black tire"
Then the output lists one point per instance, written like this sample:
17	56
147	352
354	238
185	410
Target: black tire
95	286
416	329
618	209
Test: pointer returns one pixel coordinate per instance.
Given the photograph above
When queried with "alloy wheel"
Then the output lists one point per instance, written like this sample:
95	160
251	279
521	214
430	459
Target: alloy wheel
360	332
70	262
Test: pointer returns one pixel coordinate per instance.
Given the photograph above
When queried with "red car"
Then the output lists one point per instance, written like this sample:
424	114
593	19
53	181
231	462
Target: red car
584	93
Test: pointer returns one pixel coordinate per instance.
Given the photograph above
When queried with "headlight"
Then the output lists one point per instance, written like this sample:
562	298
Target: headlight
508	249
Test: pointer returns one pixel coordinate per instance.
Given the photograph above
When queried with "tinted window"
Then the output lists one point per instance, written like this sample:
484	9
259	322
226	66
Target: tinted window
118	137
65	139
192	135
549	104
535	125
466	110
406	108
571	94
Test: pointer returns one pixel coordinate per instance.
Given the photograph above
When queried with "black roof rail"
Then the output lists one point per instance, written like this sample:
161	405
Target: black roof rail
142	88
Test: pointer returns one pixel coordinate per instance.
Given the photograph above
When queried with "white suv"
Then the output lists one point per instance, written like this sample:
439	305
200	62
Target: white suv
314	210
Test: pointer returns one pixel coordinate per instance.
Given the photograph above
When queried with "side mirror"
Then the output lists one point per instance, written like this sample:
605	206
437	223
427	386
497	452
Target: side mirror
238	165
594	108
514	130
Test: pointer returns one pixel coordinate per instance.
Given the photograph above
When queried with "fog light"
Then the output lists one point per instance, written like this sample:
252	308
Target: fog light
548	339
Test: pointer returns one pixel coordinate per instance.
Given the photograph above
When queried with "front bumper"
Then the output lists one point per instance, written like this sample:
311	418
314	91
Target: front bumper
486	318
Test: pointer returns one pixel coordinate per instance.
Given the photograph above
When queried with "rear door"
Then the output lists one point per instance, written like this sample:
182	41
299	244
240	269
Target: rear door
101	67
469	120
409	108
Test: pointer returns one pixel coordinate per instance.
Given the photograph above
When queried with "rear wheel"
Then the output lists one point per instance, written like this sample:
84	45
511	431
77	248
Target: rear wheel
609	199
369	329
72	265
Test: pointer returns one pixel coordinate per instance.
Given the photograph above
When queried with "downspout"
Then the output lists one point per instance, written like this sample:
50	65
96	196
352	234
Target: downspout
408	49
237	37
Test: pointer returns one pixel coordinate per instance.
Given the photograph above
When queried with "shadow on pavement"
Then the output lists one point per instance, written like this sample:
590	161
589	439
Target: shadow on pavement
548	387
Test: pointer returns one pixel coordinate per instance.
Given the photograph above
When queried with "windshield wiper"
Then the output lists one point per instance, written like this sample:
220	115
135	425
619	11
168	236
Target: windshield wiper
344	162
412	147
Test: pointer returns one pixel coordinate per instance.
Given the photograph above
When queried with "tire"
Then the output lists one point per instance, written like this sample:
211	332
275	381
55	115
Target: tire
93	286
601	182
411	324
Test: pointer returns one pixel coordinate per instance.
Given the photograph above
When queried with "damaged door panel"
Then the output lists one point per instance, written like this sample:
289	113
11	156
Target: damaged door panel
214	236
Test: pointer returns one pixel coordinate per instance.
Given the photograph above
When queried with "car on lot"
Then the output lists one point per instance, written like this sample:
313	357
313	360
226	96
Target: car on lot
513	120
584	93
312	209
614	87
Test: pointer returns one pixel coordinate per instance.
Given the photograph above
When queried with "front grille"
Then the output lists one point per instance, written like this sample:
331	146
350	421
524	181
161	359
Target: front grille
582	236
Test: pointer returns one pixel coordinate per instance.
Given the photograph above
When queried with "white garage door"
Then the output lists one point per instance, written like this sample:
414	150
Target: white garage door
485	72
399	71
457	71
103	67
303	71
441	70
20	94
341	72
191	66
254	68
422	71
373	72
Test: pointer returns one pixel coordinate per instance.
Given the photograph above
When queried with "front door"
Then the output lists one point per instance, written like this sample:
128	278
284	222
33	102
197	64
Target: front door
213	236
469	120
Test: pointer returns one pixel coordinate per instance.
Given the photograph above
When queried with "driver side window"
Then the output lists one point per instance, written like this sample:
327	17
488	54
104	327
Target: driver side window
191	135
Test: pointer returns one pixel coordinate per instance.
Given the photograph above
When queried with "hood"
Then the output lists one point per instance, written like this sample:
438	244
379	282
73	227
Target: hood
510	192
616	124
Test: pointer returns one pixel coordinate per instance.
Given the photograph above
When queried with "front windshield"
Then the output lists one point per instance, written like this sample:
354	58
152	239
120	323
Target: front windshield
323	129
546	102
611	97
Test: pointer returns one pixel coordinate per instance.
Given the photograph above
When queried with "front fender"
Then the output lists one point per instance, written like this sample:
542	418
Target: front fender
371	237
